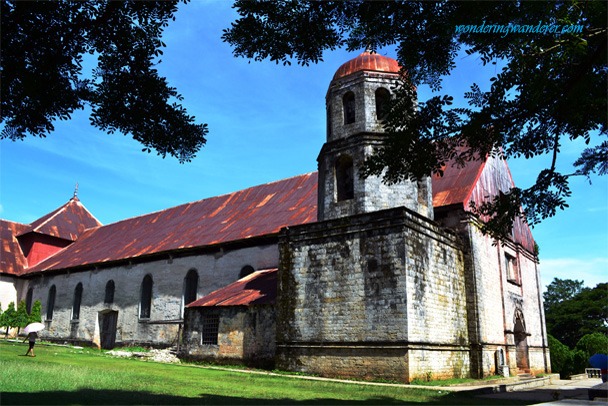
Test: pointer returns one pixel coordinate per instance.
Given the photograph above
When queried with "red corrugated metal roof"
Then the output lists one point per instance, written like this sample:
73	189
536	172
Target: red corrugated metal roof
12	261
456	184
257	288
67	222
476	182
367	61
257	211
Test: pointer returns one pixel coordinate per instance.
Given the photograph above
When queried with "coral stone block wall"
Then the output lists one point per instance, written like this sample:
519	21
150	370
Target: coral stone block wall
215	269
245	334
376	295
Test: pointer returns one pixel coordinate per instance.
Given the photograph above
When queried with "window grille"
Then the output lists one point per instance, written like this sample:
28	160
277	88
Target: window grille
210	329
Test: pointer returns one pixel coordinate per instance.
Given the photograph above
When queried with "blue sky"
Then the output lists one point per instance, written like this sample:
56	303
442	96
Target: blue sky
267	122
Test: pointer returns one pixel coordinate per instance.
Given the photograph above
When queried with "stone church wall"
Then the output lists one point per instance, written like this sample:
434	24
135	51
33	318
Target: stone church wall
376	295
215	269
246	334
494	297
8	290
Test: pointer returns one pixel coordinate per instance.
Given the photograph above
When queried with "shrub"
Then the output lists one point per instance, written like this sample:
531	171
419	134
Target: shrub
35	315
595	343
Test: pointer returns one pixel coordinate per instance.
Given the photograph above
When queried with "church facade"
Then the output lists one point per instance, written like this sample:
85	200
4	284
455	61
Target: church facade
324	273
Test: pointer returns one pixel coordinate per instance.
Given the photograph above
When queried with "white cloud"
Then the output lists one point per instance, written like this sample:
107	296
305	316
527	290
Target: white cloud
590	270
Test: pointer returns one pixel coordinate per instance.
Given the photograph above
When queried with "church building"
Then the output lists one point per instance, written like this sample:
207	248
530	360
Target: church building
326	273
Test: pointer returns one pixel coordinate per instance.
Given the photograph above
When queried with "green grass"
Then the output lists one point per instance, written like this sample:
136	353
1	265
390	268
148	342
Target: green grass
60	375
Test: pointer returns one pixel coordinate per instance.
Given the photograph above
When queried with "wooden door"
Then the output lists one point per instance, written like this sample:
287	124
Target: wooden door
108	329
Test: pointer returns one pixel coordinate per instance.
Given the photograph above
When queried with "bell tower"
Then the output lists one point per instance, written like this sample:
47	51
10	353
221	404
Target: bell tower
355	102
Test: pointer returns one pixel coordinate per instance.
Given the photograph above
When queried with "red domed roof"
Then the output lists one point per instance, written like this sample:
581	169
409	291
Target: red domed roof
367	61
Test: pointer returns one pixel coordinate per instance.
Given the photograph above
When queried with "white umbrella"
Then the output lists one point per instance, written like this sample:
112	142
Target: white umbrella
33	327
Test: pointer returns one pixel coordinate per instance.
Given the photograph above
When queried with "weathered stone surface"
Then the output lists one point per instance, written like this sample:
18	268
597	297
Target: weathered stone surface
245	334
215	270
369	287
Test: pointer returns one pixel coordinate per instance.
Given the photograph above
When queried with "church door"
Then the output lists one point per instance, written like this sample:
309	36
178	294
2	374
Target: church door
521	345
108	329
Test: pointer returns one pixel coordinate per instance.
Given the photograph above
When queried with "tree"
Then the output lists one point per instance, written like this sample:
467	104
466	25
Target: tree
8	317
21	317
35	314
594	343
551	89
44	45
584	313
559	290
563	359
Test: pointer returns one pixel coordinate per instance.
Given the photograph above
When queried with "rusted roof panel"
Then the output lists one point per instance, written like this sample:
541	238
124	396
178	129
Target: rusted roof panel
67	222
456	184
476	182
367	61
12	261
257	288
257	211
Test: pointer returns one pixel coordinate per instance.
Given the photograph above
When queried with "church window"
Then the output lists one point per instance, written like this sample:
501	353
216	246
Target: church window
145	304
109	296
190	286
344	178
211	324
246	270
348	105
383	98
28	300
422	191
77	301
512	269
50	303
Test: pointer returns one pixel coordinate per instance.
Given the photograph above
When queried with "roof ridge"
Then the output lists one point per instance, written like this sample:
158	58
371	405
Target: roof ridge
15	222
53	215
207	198
77	200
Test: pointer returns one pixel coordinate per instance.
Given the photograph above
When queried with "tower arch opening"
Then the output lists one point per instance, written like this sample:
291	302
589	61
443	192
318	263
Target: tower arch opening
345	179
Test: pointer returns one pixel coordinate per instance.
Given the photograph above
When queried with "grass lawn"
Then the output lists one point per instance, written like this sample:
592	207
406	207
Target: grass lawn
62	375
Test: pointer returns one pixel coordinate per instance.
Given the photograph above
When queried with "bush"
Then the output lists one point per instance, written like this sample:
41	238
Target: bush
595	343
8	317
566	361
35	315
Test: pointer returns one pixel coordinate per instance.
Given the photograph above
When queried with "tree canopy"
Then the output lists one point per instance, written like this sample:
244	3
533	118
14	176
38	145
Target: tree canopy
551	89
44	45
574	311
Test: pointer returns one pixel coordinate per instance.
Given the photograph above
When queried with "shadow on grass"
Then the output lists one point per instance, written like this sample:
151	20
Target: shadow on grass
114	397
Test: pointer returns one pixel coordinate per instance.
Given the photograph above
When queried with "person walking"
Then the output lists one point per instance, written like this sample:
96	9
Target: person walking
32	339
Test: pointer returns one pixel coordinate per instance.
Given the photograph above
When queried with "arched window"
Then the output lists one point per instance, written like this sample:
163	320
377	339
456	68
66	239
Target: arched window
50	303
190	286
109	296
344	178
28	300
246	270
145	304
383	98
77	301
348	105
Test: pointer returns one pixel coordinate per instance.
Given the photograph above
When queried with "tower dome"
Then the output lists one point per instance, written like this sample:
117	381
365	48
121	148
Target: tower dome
356	103
367	61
